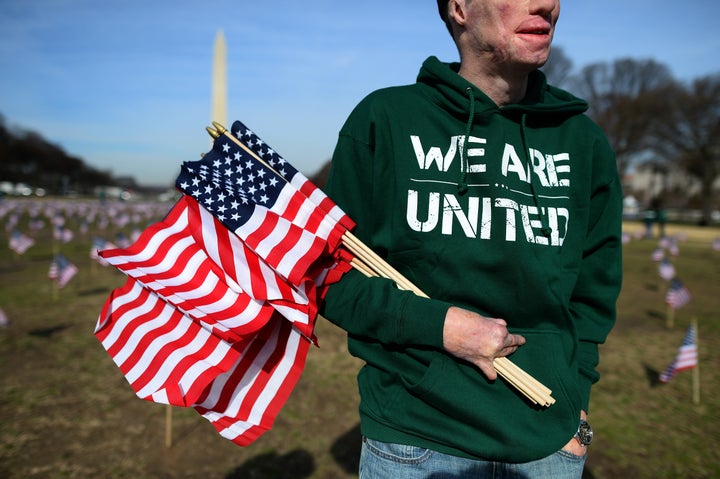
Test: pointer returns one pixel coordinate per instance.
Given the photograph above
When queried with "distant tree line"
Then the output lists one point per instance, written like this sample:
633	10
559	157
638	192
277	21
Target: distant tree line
650	117
26	157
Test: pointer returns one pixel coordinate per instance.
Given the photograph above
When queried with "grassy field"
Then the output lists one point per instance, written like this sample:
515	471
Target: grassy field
67	412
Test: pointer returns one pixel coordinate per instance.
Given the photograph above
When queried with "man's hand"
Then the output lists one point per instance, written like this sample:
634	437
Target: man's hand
478	339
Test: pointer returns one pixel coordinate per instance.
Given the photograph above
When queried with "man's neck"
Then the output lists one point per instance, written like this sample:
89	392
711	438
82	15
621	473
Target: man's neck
502	88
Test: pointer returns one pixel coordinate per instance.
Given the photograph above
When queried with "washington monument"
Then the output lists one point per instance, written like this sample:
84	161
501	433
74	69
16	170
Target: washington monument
219	81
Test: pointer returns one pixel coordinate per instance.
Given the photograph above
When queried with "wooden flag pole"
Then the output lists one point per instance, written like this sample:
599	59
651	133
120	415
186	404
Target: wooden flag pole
696	369
168	426
371	264
670	317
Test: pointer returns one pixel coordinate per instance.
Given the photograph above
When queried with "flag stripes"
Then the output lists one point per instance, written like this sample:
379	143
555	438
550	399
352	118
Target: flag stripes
243	402
192	261
161	352
686	358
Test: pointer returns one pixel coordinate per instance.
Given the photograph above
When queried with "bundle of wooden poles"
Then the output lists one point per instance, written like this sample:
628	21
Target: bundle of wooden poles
370	264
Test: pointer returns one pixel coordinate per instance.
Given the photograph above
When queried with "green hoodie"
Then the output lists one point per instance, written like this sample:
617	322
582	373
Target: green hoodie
511	212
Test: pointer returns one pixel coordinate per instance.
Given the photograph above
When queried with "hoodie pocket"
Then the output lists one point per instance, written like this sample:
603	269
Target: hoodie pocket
546	356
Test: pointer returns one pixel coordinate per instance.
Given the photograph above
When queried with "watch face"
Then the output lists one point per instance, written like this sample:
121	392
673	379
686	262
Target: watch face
585	433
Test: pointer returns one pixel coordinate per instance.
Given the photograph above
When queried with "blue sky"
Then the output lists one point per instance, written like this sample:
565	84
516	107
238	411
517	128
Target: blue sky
126	84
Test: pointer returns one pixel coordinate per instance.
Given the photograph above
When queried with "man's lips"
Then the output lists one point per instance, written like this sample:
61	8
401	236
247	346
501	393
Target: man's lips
538	27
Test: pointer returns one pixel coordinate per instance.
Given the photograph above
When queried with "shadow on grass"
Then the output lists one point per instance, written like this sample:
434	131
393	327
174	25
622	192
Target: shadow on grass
49	332
94	291
587	473
654	314
346	450
296	464
653	376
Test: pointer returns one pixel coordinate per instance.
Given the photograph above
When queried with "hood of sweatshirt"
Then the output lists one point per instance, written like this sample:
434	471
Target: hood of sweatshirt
451	92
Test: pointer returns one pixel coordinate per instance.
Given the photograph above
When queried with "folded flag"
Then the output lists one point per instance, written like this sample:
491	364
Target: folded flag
686	357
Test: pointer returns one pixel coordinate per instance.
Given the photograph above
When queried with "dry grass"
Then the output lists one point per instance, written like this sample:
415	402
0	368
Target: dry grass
67	412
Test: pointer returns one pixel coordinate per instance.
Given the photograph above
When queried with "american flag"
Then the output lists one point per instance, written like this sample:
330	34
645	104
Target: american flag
219	307
20	242
658	254
666	269
62	270
181	273
169	358
275	210
243	402
195	263
98	245
63	234
311	192
677	295
686	358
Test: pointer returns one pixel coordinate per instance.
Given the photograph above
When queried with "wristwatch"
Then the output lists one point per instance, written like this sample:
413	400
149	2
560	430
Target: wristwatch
584	434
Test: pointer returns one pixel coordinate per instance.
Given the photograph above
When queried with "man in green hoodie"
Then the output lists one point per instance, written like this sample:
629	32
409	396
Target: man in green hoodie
494	194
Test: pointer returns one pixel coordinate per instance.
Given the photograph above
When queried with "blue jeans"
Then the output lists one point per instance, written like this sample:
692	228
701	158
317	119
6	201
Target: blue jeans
379	460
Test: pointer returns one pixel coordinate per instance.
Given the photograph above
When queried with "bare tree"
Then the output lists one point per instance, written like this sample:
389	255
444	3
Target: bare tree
617	93
686	128
558	67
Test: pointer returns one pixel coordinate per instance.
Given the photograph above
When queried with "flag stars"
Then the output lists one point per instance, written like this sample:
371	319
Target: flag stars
226	147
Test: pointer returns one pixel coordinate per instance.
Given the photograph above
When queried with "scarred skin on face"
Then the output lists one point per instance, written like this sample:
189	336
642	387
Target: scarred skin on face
501	41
